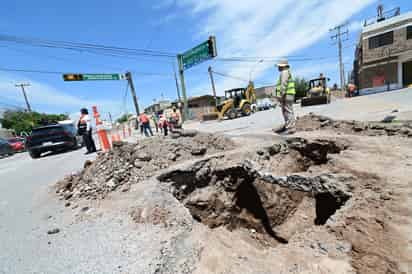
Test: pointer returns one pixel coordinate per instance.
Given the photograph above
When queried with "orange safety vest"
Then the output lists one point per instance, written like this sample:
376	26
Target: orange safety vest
144	119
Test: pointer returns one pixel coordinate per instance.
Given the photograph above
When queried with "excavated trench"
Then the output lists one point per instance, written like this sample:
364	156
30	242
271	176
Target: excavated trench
237	197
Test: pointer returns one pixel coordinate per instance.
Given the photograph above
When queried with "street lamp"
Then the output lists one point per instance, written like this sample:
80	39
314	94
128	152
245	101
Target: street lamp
253	68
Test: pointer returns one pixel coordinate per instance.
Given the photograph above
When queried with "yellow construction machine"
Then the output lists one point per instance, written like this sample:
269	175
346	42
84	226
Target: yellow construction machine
318	92
238	102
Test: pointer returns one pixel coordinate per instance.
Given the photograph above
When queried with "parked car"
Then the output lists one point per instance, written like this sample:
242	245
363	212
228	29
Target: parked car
264	104
17	144
5	148
59	137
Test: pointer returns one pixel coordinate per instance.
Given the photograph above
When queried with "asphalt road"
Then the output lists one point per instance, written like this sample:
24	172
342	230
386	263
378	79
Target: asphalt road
28	209
364	108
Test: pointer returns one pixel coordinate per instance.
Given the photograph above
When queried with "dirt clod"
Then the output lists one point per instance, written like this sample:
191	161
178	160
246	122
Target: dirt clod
53	231
384	128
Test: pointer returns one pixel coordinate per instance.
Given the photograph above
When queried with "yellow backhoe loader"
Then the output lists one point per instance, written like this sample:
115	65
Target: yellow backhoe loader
238	102
318	92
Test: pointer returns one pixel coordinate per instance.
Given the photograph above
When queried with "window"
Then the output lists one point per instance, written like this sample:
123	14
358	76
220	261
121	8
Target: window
409	32
381	40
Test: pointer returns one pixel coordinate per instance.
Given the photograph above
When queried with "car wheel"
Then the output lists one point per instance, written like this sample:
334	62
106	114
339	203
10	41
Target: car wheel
231	114
246	110
34	154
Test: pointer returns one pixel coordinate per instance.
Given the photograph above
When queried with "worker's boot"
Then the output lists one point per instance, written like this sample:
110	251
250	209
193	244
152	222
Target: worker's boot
279	130
289	131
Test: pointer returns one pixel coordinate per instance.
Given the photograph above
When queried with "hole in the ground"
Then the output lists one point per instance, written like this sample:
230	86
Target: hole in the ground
296	155
247	198
326	206
235	198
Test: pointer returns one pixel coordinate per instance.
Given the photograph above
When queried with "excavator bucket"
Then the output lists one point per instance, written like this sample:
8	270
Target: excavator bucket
313	101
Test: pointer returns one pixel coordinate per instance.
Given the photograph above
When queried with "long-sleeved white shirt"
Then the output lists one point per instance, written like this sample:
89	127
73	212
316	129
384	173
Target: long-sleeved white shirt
86	119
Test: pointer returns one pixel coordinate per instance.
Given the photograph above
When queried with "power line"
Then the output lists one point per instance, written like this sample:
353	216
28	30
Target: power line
60	72
230	76
122	52
84	46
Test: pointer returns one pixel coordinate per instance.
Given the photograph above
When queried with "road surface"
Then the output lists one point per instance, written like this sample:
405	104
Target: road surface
364	108
28	209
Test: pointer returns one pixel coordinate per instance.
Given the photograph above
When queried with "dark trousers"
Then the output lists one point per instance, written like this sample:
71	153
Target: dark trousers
147	129
165	130
89	142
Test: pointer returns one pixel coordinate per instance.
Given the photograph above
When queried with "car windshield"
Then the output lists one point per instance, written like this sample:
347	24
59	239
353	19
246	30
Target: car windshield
47	131
14	140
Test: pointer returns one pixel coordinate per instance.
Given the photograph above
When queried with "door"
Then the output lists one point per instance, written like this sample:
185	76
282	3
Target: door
407	73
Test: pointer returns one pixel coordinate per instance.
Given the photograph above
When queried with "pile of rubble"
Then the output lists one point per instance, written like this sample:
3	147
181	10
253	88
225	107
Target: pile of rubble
384	128
128	164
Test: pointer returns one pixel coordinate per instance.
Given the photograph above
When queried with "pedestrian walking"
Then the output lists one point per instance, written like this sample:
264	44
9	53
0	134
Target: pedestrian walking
285	92
174	119
144	119
155	121
163	124
84	128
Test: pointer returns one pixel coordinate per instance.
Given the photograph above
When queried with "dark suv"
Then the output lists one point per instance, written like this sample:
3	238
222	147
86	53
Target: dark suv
5	148
53	138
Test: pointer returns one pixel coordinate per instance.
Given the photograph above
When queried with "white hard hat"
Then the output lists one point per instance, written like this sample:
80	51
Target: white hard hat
283	63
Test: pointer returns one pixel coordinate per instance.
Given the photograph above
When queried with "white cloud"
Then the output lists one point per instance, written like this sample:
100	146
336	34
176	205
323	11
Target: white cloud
355	26
267	28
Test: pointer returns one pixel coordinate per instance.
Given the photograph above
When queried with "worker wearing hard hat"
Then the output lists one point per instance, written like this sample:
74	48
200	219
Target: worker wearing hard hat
285	92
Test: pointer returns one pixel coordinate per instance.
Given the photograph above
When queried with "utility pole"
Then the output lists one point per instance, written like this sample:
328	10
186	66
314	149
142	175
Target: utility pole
338	37
182	81
212	81
24	94
110	117
177	84
136	104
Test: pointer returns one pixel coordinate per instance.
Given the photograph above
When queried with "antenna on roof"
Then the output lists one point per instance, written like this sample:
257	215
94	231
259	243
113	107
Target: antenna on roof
380	13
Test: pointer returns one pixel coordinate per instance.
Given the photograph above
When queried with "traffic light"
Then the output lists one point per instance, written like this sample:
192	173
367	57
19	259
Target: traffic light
73	77
212	46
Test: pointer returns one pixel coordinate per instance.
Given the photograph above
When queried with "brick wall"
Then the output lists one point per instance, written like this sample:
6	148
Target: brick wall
400	45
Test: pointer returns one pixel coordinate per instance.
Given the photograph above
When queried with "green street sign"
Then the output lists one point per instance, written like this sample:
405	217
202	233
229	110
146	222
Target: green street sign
199	54
96	77
93	77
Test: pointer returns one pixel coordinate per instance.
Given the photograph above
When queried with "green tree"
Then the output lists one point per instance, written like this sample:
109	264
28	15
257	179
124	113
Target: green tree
124	118
21	121
301	86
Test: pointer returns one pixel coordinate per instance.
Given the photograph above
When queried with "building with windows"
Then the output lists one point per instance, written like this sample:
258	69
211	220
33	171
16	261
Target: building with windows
158	107
383	57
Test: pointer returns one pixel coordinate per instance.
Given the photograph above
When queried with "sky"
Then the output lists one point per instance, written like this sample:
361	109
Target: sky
298	29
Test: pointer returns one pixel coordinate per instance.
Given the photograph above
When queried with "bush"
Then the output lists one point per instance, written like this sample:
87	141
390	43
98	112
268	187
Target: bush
301	86
124	118
21	121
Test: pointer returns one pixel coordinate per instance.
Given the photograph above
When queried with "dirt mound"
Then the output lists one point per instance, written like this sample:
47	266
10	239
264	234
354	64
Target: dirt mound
128	163
295	155
317	122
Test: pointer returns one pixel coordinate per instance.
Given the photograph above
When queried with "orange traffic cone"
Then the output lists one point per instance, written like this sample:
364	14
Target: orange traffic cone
101	132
